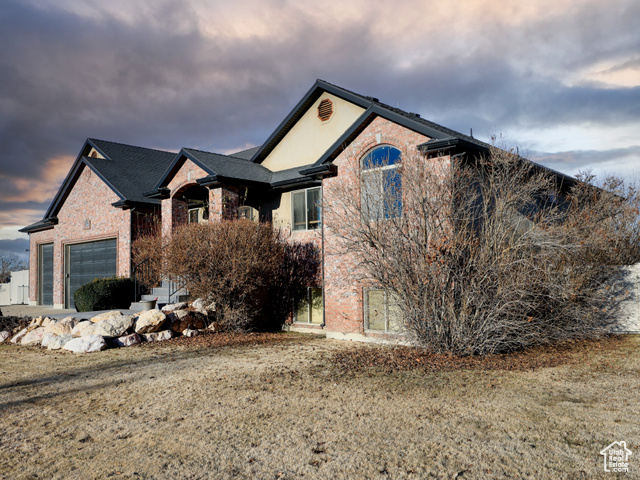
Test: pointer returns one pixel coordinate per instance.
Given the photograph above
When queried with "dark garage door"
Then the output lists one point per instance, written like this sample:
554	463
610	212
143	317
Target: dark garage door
86	261
46	274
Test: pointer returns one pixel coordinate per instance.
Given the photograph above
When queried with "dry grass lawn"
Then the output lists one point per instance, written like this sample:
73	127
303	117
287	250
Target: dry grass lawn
282	409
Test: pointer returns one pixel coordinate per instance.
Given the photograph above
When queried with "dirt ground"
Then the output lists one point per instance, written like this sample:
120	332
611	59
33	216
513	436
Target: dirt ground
280	408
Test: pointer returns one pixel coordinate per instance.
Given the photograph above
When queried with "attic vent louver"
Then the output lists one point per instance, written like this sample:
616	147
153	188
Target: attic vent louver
325	110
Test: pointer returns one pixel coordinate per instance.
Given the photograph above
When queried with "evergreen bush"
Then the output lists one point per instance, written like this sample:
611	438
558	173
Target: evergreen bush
104	294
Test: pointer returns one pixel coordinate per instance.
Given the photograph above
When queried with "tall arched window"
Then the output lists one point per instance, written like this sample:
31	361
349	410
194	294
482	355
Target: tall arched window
381	183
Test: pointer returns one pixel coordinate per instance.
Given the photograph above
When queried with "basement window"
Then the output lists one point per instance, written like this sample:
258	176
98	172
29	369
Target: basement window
309	306
306	206
381	311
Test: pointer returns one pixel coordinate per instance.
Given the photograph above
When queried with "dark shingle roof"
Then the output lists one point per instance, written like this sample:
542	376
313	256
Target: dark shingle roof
373	107
246	154
130	170
447	132
230	166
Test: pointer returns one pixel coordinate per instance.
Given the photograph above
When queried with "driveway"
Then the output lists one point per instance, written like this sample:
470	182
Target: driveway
38	310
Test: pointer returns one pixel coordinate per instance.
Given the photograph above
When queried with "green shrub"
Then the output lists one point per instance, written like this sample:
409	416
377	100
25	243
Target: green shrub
104	294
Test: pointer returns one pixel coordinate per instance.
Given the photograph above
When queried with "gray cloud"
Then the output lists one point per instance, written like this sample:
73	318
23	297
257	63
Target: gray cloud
618	161
157	78
17	247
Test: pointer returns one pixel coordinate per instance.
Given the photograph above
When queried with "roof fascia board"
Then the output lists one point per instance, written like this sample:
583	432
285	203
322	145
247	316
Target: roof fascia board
290	183
367	117
450	142
40	226
127	204
215	180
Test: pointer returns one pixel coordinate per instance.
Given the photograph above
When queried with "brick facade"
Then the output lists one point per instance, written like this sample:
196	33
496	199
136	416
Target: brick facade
86	215
89	202
174	209
344	306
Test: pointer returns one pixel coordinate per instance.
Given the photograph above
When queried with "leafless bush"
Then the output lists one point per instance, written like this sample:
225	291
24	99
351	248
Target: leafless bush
10	262
248	269
13	324
147	254
491	254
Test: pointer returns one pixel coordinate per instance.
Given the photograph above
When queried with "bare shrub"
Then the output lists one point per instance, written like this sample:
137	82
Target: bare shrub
147	254
246	268
10	262
488	255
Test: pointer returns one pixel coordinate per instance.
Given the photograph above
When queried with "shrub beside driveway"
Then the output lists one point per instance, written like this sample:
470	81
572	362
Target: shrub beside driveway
284	406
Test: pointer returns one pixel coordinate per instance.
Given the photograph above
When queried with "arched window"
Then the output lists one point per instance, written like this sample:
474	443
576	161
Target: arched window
381	183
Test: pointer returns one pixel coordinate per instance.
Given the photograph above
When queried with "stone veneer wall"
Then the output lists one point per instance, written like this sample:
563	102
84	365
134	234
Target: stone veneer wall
89	200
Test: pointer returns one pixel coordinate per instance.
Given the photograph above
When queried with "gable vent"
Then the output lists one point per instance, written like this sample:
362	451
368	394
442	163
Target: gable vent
325	110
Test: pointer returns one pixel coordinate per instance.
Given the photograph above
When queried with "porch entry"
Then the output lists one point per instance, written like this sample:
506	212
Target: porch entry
86	261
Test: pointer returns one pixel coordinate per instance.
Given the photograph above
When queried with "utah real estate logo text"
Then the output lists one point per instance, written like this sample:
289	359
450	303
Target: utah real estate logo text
616	457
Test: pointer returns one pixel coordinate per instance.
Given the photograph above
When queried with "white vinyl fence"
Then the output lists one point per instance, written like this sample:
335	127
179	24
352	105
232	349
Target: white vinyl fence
15	292
629	318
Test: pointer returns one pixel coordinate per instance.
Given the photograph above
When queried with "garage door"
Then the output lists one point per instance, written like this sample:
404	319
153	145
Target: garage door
86	261
46	274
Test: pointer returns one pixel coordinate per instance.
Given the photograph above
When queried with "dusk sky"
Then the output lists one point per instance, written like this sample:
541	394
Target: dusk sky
560	79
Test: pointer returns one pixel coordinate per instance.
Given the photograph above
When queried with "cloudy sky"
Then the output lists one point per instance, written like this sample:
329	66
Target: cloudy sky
560	79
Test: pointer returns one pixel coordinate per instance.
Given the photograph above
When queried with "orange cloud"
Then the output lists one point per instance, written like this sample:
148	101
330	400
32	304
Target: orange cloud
40	189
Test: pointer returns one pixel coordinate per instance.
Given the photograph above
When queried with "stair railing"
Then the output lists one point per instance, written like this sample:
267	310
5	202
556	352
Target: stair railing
142	273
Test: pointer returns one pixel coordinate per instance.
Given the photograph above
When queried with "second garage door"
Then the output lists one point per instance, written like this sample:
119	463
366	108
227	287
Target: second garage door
86	261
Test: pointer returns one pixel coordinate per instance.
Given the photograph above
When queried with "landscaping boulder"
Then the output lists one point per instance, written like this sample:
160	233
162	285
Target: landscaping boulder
105	315
37	321
60	341
150	321
4	335
78	330
113	326
19	335
183	319
61	327
200	306
47	338
34	337
172	307
190	333
127	341
47	320
157	336
86	344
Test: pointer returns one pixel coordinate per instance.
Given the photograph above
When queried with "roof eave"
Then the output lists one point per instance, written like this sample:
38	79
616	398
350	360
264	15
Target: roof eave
440	144
320	171
158	193
129	204
293	182
219	180
45	224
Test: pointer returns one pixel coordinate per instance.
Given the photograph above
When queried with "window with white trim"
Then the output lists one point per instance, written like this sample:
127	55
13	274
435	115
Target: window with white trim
381	193
305	209
381	311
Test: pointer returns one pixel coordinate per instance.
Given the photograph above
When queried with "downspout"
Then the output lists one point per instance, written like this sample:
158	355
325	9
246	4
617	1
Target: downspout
324	320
